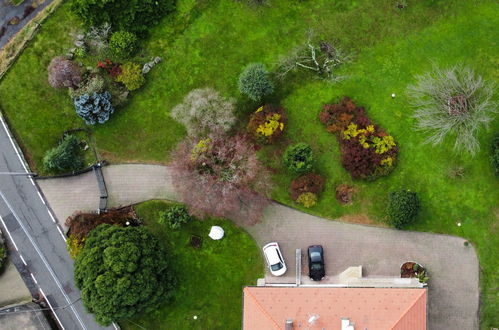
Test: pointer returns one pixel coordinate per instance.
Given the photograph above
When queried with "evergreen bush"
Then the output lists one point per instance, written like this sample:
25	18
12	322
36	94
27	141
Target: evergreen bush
403	207
65	157
299	158
123	44
94	108
175	217
131	76
254	82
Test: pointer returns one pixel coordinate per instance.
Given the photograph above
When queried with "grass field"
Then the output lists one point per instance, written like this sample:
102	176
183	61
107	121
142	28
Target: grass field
211	279
207	43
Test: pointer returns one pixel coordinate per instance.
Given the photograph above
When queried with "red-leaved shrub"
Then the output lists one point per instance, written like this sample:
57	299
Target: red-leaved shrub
221	176
367	151
310	182
267	123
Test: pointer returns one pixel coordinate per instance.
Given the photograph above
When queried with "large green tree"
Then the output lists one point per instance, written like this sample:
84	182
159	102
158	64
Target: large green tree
122	271
127	15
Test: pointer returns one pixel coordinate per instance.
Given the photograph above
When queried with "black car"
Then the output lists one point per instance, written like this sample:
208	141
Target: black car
316	269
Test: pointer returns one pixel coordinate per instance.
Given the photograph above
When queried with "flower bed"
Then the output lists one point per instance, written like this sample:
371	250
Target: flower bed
367	151
411	269
267	123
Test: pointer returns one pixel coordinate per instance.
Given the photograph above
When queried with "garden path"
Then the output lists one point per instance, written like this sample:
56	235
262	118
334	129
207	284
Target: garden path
452	266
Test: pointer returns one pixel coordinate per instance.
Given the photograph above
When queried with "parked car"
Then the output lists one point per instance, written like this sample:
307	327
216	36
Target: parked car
274	259
316	269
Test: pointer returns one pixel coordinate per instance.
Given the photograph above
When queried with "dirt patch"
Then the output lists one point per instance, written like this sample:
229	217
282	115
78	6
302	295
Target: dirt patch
362	219
344	194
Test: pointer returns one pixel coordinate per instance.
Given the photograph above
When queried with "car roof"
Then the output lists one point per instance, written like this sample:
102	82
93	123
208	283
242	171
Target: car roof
315	248
270	251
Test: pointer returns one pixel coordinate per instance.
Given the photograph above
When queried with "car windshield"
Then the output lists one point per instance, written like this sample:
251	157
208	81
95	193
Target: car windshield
316	267
276	266
315	256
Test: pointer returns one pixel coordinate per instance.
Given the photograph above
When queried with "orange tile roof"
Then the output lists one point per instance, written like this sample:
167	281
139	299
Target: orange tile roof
268	308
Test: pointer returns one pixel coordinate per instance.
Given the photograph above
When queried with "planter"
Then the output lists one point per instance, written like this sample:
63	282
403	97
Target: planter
412	269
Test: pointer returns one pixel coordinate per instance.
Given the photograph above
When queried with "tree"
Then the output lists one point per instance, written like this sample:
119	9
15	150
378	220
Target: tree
204	110
321	57
299	158
221	176
455	102
65	157
121	272
128	15
254	82
64	73
93	108
123	44
403	207
131	76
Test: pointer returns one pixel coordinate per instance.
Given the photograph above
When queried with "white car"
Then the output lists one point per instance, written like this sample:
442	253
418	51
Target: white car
274	258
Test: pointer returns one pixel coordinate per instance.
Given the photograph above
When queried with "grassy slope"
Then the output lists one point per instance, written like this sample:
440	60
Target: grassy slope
210	46
211	279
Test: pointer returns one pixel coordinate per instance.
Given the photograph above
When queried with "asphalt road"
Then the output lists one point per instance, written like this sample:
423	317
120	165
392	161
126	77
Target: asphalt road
33	231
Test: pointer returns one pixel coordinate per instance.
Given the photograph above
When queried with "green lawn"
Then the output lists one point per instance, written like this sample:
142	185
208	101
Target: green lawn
207	43
211	279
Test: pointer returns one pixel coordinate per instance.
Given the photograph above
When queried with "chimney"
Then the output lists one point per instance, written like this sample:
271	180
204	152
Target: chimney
289	324
346	325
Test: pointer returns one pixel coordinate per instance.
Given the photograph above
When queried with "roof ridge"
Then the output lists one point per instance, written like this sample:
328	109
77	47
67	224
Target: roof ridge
423	292
262	309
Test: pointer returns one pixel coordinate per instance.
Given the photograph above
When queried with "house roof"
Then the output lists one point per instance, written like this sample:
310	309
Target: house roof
268	308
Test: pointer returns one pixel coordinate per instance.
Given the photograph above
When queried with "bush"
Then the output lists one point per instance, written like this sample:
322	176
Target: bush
456	102
93	108
403	207
123	44
122	272
131	75
221	176
367	152
127	15
63	73
267	123
203	111
307	199
495	154
254	82
93	84
65	157
299	158
175	217
310	182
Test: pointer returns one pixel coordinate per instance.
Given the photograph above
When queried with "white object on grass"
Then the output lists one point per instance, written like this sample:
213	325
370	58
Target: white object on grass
216	233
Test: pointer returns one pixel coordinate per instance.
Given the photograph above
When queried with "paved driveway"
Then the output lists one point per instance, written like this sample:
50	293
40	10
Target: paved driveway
453	268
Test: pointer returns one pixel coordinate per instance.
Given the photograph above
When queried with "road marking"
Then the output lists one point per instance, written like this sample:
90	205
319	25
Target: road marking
33	277
22	259
40	195
32	181
60	232
12	142
8	232
37	249
53	311
51	216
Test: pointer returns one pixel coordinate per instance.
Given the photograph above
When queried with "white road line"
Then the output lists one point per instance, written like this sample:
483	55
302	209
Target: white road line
7	131
60	232
8	232
40	195
32	181
22	259
51	216
51	271
53	311
33	277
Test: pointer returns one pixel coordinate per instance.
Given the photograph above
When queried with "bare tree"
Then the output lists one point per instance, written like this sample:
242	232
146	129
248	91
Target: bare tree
63	73
221	176
453	101
321	57
204	110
